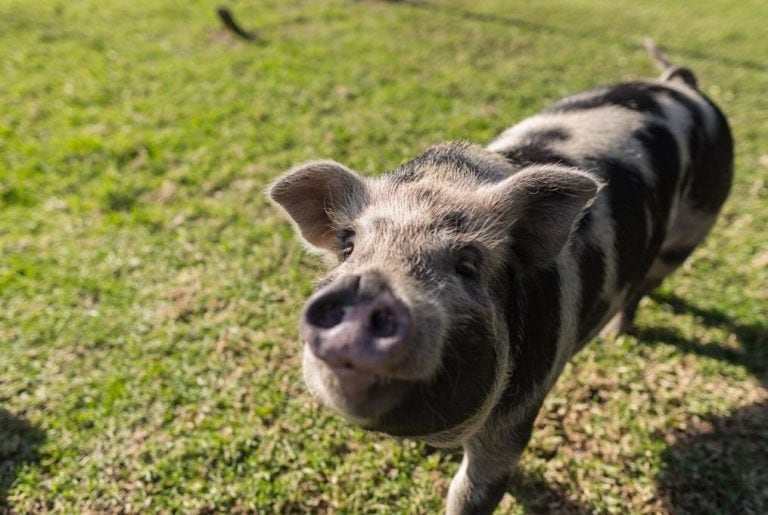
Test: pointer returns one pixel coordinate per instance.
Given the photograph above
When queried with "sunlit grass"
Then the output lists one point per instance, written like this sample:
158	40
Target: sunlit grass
148	294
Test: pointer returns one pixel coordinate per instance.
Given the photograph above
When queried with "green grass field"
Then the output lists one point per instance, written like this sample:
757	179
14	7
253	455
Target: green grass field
149	357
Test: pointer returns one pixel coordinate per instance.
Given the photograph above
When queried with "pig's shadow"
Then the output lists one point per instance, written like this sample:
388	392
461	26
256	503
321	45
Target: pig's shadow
720	465
572	31
19	443
537	495
752	338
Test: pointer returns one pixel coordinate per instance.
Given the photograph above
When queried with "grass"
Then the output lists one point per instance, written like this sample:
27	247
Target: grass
148	294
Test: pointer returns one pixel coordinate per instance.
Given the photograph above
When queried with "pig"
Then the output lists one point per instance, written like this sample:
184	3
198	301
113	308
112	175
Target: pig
464	280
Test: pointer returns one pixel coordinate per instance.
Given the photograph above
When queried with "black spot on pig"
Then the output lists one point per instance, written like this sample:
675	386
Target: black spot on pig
533	352
625	186
592	266
404	175
529	154
676	256
636	96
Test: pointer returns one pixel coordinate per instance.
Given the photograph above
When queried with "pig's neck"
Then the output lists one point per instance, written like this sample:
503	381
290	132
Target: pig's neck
542	310
533	317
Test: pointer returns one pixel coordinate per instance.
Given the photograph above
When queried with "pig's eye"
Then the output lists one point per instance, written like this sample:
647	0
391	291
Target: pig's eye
347	243
468	263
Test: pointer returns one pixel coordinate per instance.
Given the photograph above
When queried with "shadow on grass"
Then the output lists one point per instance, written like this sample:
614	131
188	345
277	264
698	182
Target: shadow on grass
478	16
19	441
543	28
753	338
720	465
537	495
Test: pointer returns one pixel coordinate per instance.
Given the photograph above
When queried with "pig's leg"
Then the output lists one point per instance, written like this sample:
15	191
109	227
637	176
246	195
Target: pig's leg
689	229
665	264
489	460
624	321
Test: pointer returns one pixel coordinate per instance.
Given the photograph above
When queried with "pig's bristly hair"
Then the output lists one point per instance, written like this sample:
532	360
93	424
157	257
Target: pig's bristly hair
485	188
443	180
565	256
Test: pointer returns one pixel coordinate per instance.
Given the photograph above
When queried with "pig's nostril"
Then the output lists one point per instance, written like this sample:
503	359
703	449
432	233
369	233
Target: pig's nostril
383	323
325	313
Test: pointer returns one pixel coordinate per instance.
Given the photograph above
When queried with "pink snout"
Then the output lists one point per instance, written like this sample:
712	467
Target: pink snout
356	325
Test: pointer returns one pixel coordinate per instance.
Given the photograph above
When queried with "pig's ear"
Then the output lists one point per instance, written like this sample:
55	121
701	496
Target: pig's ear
542	204
315	195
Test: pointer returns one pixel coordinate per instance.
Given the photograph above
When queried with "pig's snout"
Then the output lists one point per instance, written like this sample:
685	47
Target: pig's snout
357	323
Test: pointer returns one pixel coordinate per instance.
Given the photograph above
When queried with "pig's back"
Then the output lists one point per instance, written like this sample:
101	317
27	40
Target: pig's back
664	153
665	132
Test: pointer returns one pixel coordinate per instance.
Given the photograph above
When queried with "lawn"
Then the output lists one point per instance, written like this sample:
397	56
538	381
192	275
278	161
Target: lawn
149	357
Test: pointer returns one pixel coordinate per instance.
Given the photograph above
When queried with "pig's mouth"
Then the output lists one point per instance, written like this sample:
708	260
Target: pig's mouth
355	384
359	394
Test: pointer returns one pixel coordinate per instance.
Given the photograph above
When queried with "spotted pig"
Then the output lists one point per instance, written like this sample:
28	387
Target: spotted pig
463	280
